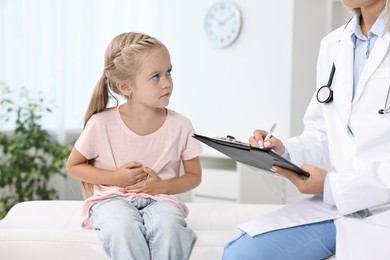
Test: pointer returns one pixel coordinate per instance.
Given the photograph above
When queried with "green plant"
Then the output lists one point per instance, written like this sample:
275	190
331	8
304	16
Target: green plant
29	155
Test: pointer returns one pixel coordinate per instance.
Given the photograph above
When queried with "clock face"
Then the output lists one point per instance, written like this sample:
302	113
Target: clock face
223	24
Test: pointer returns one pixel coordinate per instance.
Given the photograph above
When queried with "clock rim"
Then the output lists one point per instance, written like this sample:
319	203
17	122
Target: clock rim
237	12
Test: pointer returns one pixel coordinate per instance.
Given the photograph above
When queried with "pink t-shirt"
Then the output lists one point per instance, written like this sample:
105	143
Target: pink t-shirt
108	141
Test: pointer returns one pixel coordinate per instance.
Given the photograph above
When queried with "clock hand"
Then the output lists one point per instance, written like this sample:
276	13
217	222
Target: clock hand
219	21
226	19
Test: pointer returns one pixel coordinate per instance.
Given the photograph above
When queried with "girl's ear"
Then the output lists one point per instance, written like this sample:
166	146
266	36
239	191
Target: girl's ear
124	88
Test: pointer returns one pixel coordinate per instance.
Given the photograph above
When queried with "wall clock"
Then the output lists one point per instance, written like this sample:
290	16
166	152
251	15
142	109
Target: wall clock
223	24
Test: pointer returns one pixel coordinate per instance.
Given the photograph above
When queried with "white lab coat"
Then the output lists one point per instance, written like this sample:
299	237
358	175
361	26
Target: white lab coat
358	164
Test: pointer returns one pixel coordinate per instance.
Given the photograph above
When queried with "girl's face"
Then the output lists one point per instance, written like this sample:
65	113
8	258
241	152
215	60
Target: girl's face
153	83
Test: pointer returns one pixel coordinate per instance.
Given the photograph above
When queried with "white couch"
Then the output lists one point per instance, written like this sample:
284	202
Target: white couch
48	230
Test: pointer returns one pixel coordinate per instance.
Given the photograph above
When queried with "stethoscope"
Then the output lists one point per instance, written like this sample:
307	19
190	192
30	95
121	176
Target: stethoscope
325	94
386	108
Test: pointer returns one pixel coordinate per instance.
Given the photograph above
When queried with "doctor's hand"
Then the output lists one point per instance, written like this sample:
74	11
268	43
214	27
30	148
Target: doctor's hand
312	185
257	140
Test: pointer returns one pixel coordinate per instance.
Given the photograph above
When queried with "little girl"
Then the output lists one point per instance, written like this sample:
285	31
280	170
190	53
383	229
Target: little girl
128	157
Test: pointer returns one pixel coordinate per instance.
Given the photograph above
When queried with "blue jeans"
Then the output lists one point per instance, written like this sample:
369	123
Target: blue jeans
311	241
142	229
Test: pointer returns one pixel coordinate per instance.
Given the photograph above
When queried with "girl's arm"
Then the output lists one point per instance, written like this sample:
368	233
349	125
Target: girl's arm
78	167
154	185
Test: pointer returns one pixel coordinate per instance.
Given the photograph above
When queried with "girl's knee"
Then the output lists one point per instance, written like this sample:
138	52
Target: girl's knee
164	214
168	226
121	228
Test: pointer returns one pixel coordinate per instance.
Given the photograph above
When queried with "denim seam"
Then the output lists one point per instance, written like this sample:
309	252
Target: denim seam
150	230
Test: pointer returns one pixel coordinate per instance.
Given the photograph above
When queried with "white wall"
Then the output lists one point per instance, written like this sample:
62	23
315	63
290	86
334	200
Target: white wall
266	76
58	46
233	90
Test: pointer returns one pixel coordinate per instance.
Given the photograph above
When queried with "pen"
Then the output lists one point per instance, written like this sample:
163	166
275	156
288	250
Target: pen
271	131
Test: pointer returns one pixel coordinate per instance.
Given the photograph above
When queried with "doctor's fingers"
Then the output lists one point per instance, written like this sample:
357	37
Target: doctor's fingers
292	176
253	142
257	138
312	185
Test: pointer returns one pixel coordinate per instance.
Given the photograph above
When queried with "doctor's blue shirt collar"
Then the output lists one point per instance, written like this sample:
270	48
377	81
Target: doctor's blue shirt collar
378	29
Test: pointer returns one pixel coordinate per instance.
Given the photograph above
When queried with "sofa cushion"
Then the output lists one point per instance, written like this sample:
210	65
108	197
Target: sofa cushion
52	230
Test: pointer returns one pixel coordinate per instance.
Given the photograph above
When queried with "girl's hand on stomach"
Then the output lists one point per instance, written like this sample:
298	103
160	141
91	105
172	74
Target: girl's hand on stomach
130	174
153	185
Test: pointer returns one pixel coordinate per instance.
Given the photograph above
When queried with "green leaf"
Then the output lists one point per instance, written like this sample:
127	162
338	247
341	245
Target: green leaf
29	155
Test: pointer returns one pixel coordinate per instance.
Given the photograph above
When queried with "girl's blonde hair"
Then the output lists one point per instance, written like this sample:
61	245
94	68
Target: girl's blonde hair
122	58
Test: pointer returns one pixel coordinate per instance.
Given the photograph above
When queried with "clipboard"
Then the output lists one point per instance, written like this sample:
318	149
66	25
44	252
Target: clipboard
246	154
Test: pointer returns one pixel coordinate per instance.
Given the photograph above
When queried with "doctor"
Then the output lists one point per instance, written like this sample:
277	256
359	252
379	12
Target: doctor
345	146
